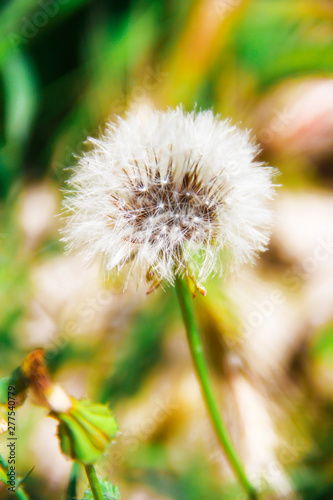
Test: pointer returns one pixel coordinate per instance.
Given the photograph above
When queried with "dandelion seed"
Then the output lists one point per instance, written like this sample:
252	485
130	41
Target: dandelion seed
168	193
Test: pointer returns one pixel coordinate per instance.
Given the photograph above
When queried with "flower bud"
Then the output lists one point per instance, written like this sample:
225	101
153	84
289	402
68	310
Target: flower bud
85	430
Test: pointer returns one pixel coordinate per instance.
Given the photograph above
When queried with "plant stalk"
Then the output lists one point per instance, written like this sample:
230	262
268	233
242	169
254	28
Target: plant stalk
93	481
193	337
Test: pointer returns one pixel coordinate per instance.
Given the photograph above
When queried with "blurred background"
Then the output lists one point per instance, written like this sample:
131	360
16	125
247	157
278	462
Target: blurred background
65	67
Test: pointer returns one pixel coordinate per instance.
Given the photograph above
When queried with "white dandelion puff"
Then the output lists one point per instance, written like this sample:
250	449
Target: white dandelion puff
169	193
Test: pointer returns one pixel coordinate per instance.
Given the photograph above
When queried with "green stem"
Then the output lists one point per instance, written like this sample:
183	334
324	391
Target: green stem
93	481
193	337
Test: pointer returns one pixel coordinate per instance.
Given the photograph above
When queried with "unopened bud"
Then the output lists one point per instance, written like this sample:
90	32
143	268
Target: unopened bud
85	430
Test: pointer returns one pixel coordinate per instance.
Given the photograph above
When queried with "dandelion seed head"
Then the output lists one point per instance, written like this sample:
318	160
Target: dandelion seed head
167	192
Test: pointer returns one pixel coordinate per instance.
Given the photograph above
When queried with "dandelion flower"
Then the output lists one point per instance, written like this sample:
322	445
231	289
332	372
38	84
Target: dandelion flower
169	193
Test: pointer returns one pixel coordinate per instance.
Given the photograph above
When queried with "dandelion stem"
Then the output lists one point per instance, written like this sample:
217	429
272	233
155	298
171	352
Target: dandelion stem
93	481
193	337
